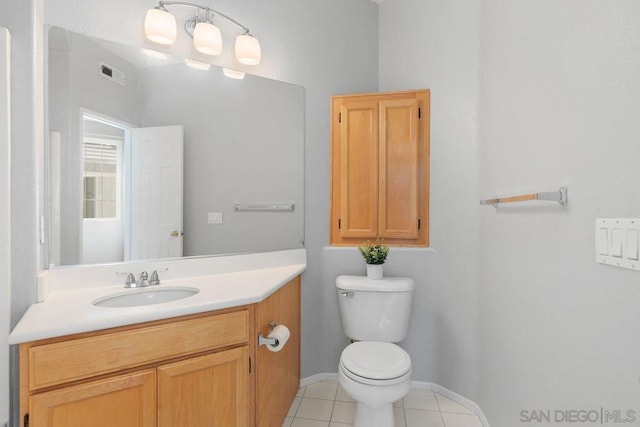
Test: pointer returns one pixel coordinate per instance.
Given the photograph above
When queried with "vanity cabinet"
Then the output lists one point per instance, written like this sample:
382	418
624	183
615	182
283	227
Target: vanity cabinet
380	168
185	371
196	370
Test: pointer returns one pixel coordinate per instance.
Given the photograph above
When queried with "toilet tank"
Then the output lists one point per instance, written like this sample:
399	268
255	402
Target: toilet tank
375	310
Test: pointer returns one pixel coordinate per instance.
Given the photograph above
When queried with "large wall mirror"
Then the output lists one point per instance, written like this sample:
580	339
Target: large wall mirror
150	157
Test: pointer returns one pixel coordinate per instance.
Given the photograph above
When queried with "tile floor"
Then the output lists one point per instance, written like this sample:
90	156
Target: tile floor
325	404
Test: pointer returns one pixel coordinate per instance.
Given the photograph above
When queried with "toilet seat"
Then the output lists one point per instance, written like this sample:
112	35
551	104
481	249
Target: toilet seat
375	363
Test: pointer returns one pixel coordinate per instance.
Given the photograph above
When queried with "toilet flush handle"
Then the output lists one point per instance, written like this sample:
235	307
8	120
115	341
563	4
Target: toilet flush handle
347	294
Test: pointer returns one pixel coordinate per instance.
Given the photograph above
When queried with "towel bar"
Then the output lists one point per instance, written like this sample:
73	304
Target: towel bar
559	196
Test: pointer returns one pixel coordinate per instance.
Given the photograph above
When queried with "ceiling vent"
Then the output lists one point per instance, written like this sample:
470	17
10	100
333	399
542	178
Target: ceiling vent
111	73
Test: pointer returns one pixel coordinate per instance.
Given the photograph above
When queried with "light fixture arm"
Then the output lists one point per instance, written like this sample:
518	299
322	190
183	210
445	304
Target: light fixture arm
208	10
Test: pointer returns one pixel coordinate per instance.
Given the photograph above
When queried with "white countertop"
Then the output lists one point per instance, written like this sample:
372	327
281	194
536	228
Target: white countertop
70	311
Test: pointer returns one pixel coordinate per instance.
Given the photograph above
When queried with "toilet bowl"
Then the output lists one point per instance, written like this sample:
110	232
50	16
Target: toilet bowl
373	370
375	374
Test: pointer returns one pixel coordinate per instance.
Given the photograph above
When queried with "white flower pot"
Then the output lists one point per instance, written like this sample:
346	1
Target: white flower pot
374	271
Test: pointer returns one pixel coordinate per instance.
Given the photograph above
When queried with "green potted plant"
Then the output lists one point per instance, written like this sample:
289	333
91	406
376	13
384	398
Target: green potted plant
374	255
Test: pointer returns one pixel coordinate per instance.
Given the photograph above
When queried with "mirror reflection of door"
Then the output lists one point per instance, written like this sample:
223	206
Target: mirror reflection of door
156	192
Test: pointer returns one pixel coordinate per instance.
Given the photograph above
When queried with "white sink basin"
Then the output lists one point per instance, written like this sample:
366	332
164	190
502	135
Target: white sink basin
145	296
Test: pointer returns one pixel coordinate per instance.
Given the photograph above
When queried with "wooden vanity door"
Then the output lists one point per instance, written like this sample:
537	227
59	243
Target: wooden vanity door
206	391
278	373
123	401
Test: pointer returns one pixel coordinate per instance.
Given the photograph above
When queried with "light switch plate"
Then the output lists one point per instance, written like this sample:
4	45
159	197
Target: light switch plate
617	242
215	218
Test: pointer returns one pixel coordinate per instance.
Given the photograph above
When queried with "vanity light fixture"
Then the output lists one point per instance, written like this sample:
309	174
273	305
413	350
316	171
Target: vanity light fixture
233	74
160	27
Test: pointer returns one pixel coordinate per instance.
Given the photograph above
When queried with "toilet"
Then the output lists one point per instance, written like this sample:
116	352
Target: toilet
373	370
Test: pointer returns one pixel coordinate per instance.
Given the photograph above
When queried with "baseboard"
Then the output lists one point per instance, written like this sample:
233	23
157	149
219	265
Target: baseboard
421	385
325	376
467	403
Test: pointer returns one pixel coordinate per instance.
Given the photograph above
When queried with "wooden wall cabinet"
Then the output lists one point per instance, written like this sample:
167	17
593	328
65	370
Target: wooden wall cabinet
199	371
380	168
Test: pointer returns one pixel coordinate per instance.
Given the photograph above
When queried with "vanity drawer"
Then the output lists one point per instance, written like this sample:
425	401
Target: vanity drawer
88	356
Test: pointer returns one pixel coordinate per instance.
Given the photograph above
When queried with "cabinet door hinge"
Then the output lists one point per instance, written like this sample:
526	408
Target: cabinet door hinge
339	223
418	224
419	112
339	117
249	364
26	420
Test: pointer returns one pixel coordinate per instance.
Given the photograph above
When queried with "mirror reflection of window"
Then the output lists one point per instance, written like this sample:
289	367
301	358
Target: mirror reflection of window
102	166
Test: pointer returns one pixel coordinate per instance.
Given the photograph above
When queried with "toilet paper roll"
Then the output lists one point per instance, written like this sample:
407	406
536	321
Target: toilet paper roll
281	334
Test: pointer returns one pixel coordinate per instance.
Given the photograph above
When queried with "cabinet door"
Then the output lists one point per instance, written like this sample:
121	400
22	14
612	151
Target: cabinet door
206	391
123	401
359	170
399	169
278	373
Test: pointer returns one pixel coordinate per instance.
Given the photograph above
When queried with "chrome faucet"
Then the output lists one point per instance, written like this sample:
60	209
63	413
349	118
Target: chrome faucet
143	281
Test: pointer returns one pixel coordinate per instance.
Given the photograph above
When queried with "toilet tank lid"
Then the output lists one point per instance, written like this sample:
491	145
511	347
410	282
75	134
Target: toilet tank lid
386	284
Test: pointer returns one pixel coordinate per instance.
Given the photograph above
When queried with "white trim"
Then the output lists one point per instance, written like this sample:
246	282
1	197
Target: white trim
5	218
53	203
420	385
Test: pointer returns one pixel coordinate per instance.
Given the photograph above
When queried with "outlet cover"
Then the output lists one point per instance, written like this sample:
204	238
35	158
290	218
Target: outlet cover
215	218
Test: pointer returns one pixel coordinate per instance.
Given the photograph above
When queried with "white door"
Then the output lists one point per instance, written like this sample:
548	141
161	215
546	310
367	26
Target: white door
156	192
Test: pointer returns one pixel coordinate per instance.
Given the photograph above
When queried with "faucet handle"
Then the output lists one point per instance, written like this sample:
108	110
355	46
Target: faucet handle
143	280
130	282
155	280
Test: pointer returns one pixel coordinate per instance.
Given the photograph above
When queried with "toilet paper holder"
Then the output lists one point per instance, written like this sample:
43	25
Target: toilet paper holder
262	340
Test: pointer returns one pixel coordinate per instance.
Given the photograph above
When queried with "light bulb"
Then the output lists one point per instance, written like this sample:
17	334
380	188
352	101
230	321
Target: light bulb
207	38
154	54
197	64
233	74
248	50
160	26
